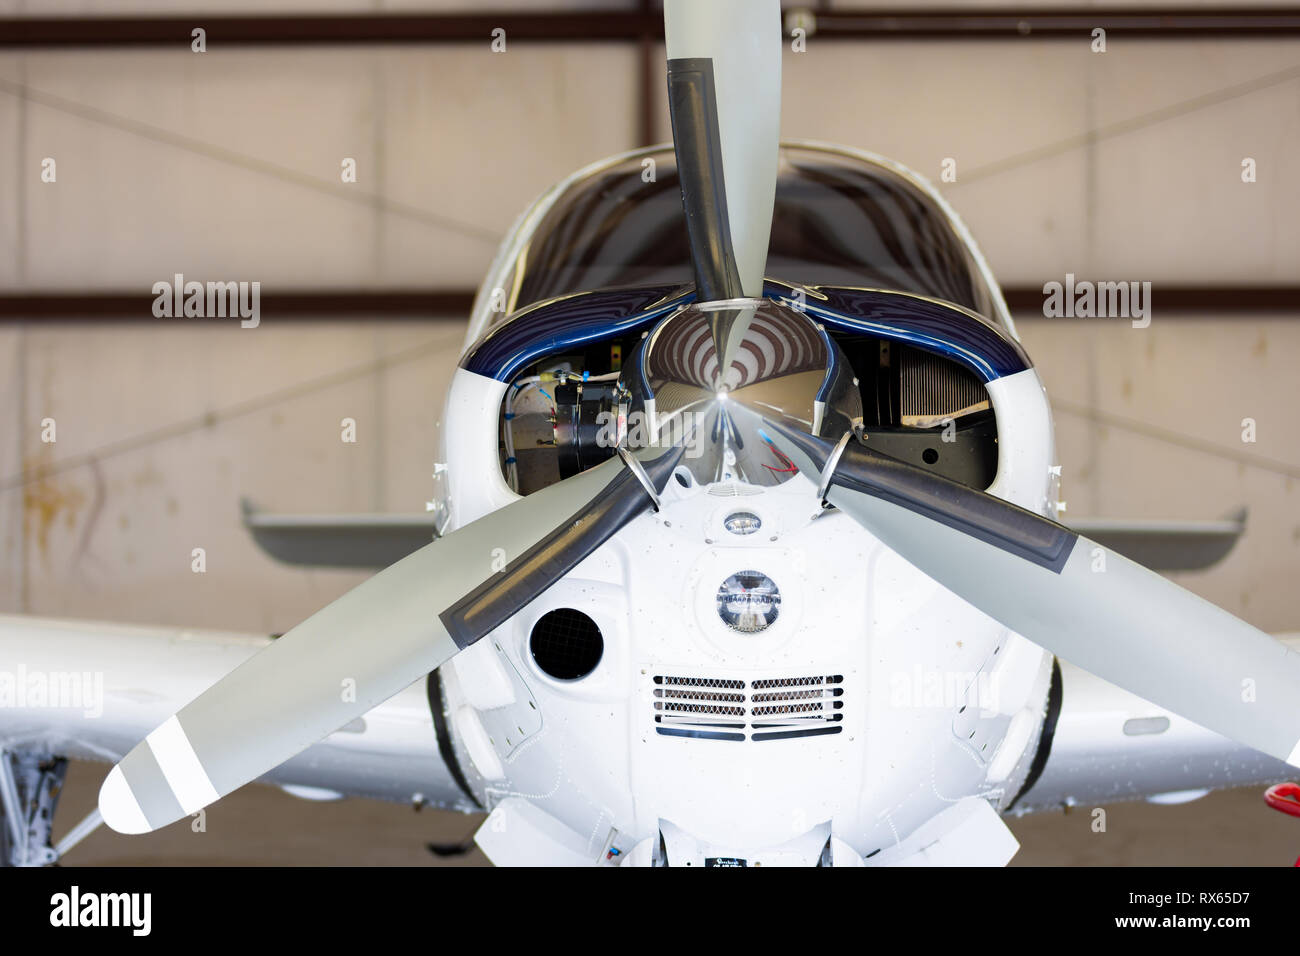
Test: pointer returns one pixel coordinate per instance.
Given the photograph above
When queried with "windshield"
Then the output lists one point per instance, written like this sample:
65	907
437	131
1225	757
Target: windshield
839	220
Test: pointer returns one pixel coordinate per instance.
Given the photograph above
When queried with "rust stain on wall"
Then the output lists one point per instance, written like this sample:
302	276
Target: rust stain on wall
46	501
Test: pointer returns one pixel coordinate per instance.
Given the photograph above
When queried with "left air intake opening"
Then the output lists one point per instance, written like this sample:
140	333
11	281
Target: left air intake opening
566	644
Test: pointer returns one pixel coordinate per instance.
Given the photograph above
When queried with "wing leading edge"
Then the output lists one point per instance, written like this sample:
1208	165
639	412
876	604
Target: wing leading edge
1110	745
378	540
114	684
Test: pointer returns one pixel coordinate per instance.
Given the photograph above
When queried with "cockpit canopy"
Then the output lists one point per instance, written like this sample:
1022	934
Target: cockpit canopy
838	221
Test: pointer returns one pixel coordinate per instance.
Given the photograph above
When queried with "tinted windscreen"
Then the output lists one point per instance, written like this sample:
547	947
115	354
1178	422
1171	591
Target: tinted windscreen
838	221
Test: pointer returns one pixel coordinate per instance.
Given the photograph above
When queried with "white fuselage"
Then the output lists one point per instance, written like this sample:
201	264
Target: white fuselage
939	703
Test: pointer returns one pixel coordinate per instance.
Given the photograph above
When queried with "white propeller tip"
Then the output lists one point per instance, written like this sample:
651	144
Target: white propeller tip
118	806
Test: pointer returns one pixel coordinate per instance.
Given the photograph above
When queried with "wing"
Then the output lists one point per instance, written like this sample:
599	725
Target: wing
340	540
1166	545
378	540
1110	745
93	691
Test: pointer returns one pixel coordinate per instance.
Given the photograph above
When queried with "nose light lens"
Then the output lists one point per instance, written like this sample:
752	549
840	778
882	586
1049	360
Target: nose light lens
742	522
748	601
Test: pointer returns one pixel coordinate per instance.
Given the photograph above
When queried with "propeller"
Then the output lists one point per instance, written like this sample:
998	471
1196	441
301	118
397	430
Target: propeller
1068	594
375	640
724	98
724	92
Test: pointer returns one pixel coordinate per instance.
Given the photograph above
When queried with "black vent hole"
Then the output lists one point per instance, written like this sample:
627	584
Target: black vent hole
566	644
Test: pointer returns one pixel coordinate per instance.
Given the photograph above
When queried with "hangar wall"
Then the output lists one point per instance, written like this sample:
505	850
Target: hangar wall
1117	166
225	165
1122	164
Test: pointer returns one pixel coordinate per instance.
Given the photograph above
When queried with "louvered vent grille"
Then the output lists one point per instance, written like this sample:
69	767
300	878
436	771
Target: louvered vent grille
769	709
733	489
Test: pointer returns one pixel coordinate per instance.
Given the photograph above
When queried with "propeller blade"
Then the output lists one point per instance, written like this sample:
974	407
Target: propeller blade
1070	595
375	640
724	95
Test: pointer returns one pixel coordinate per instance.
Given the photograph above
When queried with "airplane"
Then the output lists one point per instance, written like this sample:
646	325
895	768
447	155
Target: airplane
743	552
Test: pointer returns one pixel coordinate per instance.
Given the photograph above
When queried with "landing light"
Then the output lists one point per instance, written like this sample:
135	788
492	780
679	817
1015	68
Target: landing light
748	601
742	522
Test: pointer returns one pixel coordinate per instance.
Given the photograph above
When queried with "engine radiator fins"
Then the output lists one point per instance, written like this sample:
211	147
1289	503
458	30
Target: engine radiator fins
935	389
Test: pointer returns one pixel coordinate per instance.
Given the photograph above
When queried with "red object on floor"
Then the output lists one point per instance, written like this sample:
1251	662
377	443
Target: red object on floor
1284	797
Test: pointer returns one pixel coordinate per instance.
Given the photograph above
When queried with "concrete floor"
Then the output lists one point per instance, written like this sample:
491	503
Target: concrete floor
263	826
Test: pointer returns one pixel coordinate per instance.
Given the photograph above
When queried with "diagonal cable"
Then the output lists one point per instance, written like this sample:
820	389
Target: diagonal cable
1130	125
1262	462
208	419
232	157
